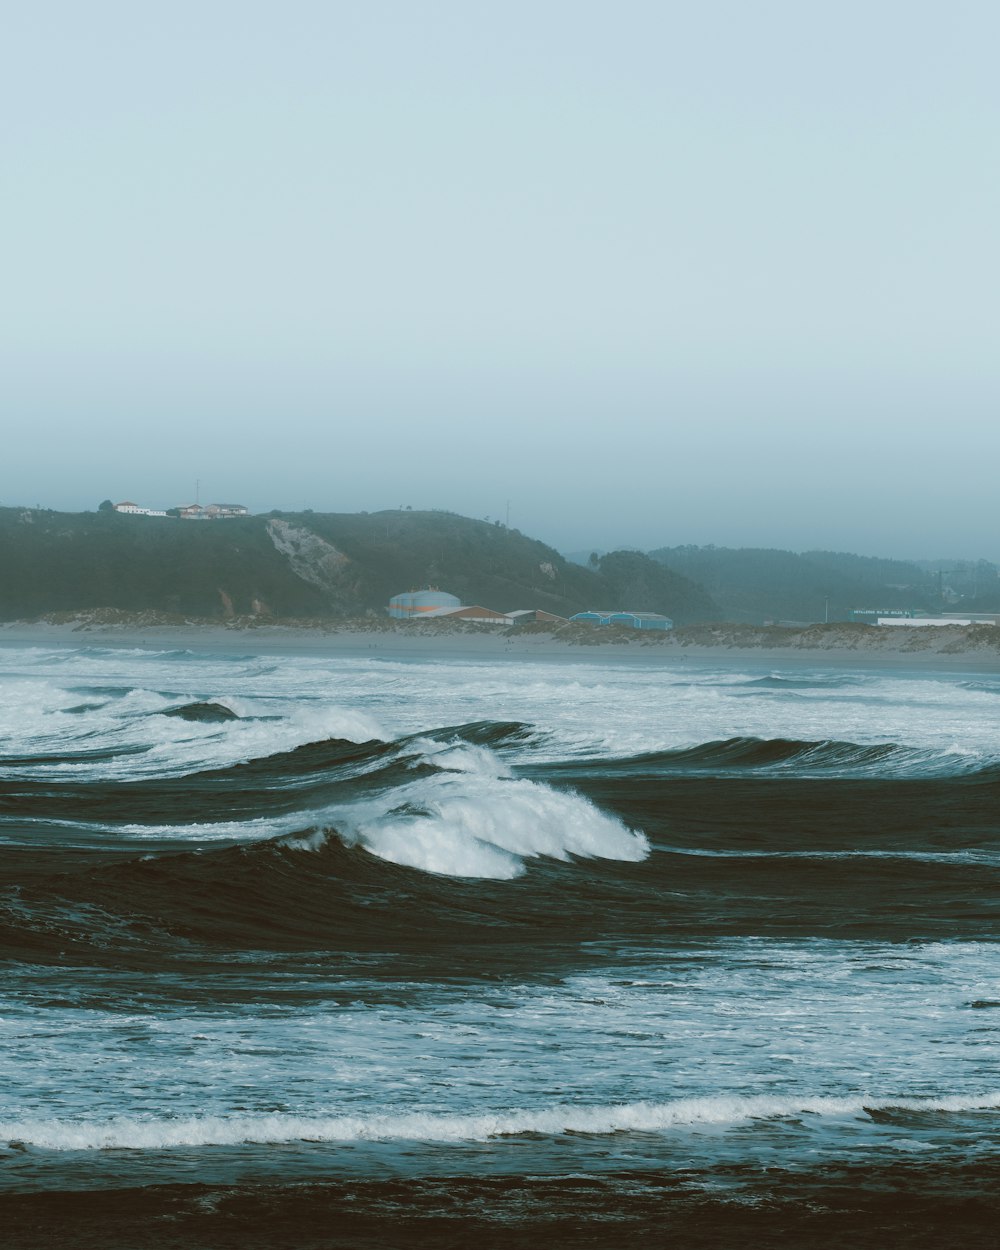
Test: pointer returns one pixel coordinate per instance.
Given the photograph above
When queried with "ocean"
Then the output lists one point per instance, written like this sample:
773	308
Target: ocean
335	952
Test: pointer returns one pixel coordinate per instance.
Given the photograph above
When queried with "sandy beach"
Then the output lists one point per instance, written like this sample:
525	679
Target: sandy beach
948	649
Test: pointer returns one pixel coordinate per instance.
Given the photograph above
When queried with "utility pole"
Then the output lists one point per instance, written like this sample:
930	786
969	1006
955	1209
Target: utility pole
508	515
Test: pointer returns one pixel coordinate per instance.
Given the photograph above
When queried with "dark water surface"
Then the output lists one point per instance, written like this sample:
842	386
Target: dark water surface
346	953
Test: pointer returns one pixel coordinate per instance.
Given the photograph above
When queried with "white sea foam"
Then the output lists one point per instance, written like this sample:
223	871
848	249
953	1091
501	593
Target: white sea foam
134	1133
478	824
169	745
463	757
260	829
190	746
584	708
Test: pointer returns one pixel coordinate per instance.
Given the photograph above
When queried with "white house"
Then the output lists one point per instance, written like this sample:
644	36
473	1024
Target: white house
133	509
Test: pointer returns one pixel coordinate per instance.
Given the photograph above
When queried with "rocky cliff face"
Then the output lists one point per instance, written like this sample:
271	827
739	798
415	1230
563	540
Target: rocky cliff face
313	559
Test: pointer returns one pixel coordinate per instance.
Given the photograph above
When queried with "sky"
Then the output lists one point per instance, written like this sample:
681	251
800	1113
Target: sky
643	273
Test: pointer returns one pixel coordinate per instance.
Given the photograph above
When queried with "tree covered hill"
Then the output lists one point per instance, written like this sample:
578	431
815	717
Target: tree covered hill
634	579
753	584
309	565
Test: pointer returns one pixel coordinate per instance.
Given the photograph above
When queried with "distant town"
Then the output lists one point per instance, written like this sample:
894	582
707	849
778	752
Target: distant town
186	512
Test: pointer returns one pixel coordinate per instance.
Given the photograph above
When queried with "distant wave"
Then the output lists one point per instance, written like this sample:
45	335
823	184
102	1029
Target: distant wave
135	1133
776	681
982	687
958	856
788	756
91	755
306	776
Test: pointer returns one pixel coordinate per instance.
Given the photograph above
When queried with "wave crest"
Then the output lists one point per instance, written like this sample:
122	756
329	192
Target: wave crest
791	756
478	823
134	1133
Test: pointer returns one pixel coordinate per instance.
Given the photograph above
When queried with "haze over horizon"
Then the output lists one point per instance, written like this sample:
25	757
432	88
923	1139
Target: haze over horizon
652	273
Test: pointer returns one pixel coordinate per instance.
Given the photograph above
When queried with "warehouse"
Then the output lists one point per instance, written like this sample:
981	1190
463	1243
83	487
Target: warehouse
633	620
470	612
642	620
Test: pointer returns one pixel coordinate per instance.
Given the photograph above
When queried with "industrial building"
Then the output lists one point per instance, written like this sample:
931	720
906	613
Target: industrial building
917	616
413	604
871	616
431	604
952	619
528	616
633	620
470	612
593	617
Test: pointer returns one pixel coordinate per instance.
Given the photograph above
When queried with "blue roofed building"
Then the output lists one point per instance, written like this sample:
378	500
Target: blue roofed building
633	620
642	620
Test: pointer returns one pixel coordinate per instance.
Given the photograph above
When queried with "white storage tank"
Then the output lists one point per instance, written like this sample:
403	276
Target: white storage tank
416	602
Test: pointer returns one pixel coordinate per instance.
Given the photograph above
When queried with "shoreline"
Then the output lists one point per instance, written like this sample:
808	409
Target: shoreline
945	649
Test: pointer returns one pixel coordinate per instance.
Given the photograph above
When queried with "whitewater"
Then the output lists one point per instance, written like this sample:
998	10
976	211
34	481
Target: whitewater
269	922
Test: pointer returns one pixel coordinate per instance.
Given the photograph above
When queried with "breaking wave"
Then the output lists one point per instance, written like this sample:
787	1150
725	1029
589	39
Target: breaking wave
135	1133
483	823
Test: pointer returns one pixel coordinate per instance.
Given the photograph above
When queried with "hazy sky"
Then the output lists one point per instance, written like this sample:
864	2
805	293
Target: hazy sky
653	272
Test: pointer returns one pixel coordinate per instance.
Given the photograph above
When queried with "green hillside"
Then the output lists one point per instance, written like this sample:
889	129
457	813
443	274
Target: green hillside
646	586
753	584
308	565
58	561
